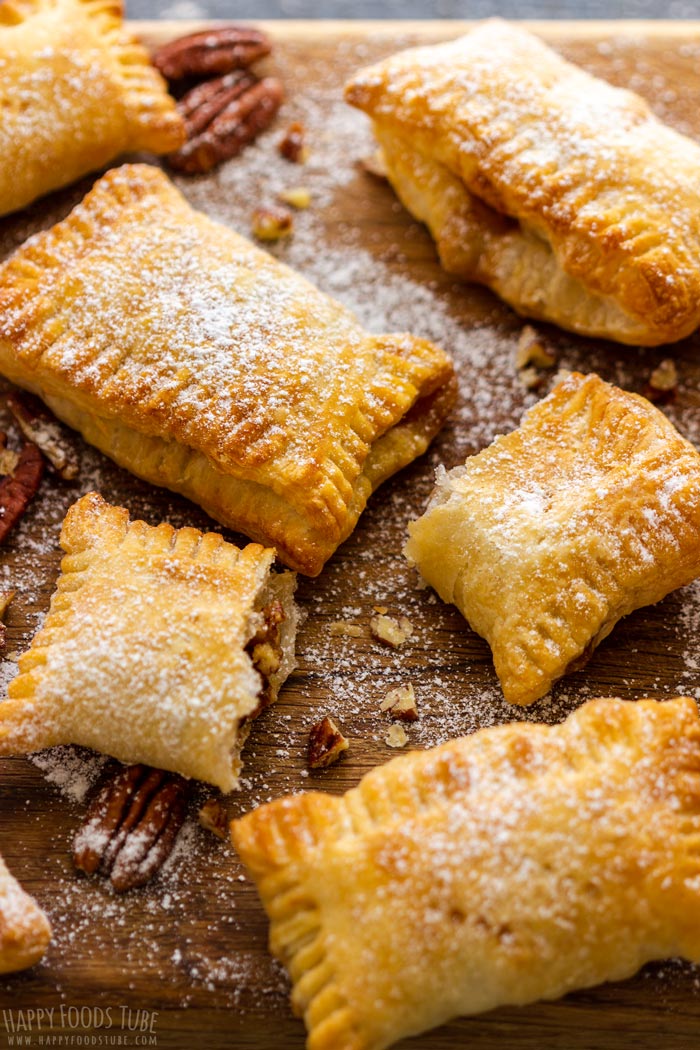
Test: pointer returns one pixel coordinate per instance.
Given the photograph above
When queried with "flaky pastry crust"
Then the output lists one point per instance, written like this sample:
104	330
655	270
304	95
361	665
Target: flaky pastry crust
24	928
513	865
143	653
201	363
563	194
76	90
545	539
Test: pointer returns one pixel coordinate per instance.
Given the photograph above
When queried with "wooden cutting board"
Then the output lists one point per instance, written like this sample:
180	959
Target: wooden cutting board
184	963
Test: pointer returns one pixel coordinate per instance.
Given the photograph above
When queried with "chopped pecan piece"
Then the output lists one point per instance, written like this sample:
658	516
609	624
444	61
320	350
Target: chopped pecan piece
213	816
40	426
18	488
222	116
326	744
272	224
8	457
211	52
401	703
291	145
390	631
532	350
131	825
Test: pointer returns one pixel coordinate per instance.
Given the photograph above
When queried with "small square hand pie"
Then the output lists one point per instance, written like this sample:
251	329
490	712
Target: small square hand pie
556	531
24	929
200	362
75	91
517	864
563	194
160	646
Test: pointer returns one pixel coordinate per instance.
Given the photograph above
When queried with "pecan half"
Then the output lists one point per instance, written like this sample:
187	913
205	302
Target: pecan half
211	52
131	825
326	744
222	117
41	426
18	488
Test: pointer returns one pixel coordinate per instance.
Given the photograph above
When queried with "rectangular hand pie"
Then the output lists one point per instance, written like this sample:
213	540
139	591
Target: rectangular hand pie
563	194
517	864
160	646
24	929
76	90
544	540
201	363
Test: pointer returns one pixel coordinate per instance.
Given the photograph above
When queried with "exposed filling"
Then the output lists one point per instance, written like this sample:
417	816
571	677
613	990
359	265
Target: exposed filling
265	652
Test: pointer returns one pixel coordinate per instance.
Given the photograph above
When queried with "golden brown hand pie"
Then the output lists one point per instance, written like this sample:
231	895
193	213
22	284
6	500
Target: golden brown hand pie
24	929
563	194
514	865
202	363
159	647
75	91
544	540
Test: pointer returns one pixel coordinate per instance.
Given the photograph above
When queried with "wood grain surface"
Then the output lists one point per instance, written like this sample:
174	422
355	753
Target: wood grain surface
190	950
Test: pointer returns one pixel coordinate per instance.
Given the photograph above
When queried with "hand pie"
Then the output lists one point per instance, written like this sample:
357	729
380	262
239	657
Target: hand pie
201	363
75	91
563	194
551	535
24	929
517	864
160	646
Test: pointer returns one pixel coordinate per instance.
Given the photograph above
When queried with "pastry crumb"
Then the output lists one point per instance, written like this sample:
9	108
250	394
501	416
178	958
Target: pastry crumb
400	703
396	736
374	164
326	744
340	627
298	197
663	381
391	631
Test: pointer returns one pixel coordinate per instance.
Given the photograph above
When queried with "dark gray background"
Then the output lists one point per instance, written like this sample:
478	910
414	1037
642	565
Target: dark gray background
413	8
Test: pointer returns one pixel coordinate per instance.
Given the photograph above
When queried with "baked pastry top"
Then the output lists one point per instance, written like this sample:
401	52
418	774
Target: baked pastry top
200	362
545	539
563	194
513	865
155	648
76	90
24	929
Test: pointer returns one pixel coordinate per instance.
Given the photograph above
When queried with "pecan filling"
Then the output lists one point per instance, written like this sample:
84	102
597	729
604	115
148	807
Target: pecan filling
265	651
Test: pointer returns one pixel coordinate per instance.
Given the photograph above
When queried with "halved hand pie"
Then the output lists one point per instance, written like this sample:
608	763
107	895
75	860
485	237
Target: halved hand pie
200	362
24	929
563	194
544	540
517	864
76	90
160	646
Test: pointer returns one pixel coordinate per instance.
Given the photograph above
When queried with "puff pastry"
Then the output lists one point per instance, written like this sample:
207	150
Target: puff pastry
76	90
24	929
202	363
548	537
514	865
563	194
149	651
